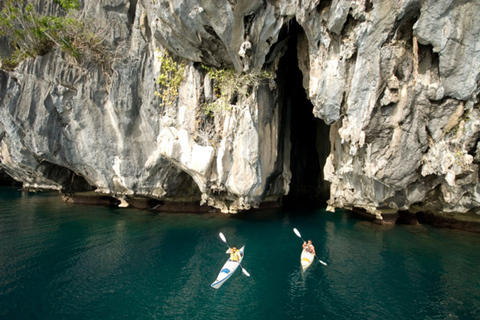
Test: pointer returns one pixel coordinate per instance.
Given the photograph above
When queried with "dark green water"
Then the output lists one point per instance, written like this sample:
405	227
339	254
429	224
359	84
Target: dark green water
61	261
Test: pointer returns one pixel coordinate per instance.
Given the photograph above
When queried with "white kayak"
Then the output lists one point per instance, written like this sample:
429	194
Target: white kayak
227	270
306	259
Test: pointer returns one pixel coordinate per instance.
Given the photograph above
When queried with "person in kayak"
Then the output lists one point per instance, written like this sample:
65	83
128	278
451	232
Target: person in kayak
309	247
234	254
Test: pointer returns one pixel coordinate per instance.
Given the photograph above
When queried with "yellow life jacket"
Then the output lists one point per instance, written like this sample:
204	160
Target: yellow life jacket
234	256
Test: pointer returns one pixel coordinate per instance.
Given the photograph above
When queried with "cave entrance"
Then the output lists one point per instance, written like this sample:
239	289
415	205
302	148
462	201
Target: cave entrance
6	180
308	135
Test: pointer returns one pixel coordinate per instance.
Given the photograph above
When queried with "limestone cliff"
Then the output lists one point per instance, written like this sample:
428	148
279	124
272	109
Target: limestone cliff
372	102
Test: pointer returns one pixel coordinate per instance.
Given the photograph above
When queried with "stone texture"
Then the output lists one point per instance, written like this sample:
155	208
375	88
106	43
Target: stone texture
397	81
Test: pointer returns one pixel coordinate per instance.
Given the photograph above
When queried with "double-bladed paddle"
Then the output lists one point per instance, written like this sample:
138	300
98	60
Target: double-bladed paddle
300	236
245	272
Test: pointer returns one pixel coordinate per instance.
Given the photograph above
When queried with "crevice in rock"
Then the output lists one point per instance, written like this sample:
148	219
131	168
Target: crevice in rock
473	151
309	136
131	12
428	61
247	22
368	5
349	25
403	28
324	4
145	28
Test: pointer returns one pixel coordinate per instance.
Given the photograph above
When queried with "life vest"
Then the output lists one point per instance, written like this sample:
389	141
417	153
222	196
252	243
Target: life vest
234	256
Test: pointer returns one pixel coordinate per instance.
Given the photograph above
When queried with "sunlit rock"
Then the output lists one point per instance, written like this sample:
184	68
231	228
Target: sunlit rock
395	82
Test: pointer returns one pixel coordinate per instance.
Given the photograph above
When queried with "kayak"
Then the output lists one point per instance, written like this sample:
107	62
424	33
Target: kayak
306	259
227	270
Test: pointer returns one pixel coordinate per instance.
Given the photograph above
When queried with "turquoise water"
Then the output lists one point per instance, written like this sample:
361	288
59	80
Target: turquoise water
63	261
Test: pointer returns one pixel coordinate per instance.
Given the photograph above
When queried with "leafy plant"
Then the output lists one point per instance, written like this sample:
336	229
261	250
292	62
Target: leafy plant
32	34
171	76
68	4
231	85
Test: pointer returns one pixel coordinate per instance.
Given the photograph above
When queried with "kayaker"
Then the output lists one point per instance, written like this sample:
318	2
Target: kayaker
234	254
309	247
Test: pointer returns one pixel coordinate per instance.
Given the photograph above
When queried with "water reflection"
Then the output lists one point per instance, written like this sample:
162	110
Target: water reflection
65	261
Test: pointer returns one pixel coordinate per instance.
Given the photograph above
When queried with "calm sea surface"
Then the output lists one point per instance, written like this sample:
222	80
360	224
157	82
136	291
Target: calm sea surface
63	261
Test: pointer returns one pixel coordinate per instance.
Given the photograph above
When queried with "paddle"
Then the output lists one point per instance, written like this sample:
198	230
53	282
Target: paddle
245	272
300	236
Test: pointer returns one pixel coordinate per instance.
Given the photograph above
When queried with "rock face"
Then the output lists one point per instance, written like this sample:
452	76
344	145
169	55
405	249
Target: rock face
390	88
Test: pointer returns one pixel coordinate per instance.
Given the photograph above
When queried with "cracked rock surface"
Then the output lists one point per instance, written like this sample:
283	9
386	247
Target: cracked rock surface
396	82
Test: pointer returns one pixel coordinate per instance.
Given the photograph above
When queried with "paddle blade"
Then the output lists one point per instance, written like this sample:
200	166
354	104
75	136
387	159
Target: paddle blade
245	272
222	237
297	232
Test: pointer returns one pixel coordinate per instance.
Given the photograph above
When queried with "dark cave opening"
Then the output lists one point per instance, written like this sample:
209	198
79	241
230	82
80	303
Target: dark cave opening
308	135
7	181
69	180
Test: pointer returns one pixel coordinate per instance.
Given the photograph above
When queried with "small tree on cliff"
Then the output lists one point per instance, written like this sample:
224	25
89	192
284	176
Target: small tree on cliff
32	34
171	76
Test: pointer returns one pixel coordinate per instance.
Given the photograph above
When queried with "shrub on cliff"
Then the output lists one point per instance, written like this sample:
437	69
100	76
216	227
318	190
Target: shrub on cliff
31	34
171	75
231	85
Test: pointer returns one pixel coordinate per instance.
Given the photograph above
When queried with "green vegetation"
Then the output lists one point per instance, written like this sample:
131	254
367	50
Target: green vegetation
230	88
32	34
231	85
171	75
68	4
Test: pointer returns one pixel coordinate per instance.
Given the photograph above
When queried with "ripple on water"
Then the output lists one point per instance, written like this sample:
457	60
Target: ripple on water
74	262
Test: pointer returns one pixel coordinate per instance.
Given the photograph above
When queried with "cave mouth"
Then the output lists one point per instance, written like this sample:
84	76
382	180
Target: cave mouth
308	135
66	178
7	181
